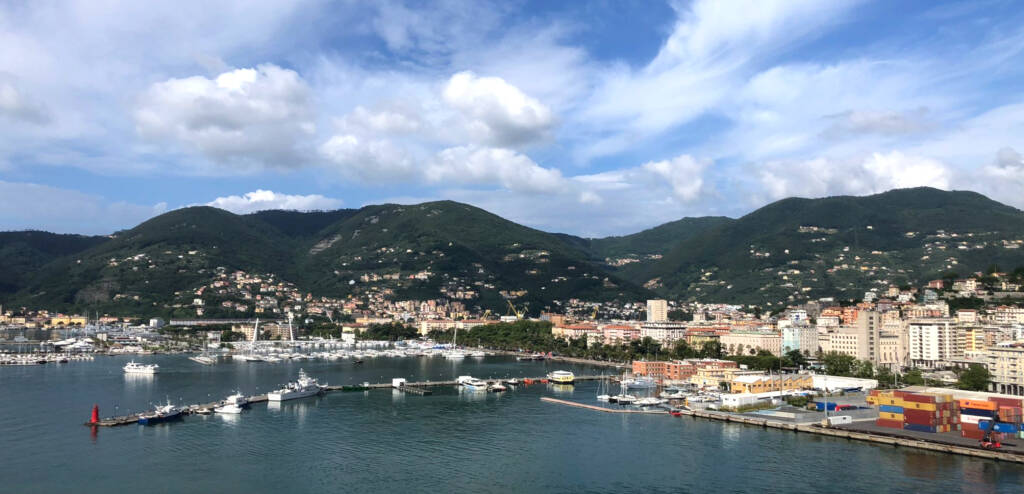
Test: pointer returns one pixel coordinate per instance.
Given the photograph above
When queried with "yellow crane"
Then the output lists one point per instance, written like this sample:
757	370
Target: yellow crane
512	310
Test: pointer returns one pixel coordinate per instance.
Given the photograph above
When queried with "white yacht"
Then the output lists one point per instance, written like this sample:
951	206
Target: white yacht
237	399
640	383
301	388
203	359
136	368
230	408
473	384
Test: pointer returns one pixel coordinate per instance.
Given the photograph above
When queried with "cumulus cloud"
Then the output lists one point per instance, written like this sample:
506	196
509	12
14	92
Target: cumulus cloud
497	112
824	176
245	117
382	121
683	173
67	211
369	160
508	168
16	105
261	200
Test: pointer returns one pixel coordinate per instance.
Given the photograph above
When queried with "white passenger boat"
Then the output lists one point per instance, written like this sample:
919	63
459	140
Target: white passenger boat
471	383
301	388
136	368
230	408
237	399
562	377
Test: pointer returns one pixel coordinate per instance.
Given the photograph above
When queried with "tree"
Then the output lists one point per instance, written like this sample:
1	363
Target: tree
795	358
711	349
884	377
913	377
975	378
864	369
838	364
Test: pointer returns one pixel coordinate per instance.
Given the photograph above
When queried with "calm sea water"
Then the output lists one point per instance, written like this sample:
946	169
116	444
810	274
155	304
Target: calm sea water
382	441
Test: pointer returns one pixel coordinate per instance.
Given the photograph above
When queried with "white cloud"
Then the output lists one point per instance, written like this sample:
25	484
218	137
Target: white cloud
261	200
18	106
67	211
497	112
369	160
821	177
505	167
245	117
382	121
684	173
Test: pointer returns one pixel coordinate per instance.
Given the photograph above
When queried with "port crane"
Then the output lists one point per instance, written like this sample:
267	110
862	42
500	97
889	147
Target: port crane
513	311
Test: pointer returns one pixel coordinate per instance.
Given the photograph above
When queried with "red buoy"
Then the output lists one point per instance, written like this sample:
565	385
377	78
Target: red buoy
95	415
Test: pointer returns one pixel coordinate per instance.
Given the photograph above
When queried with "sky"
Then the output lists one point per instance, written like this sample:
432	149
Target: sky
592	118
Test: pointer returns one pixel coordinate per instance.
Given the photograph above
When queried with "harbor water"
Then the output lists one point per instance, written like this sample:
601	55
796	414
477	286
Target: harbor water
385	441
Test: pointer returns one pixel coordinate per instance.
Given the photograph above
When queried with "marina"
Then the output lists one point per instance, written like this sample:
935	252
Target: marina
362	421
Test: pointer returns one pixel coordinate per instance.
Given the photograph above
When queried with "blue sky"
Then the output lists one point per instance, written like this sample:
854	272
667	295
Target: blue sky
592	118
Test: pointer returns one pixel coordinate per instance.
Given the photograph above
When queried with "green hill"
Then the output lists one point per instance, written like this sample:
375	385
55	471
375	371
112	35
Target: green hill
22	253
790	250
839	246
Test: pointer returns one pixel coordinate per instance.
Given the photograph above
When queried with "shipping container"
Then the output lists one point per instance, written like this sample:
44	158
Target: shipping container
972	419
894	424
919	398
978	412
973	434
890	409
1007	402
978	404
919	428
999	427
890	416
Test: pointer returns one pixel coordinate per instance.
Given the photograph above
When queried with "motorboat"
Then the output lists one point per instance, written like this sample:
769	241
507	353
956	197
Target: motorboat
162	413
136	368
640	383
230	408
497	387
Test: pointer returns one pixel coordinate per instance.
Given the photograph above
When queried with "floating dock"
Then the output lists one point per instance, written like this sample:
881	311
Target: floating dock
417	388
602	409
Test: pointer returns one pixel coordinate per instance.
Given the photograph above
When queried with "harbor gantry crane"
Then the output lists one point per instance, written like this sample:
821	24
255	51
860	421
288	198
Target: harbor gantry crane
513	311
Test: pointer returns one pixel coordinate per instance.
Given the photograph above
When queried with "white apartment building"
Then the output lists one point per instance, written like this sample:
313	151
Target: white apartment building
657	310
934	342
803	338
742	342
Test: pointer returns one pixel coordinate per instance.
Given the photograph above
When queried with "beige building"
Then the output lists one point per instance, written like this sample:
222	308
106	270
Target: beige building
657	310
1006	364
663	332
741	342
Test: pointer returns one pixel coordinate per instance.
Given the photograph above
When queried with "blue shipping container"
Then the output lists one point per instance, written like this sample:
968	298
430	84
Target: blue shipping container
977	412
890	409
821	406
1000	427
919	428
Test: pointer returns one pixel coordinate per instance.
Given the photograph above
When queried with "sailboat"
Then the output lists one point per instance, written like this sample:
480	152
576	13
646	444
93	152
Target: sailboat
251	356
602	390
455	353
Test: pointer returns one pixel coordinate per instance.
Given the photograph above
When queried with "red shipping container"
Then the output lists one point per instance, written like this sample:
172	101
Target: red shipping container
1008	402
967	426
919	415
900	394
895	424
972	434
918	398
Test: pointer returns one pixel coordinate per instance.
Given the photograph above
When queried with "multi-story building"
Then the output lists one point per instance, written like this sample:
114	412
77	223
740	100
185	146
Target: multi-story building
663	332
657	310
934	342
1006	365
615	334
749	342
680	370
767	384
802	338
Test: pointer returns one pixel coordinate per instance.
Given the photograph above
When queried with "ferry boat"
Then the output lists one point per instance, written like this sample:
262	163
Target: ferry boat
161	414
562	377
301	388
136	368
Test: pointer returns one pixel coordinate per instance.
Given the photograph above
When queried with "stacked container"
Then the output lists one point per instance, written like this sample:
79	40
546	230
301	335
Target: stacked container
973	413
890	408
930	412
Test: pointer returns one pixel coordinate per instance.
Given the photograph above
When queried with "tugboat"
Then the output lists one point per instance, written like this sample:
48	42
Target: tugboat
163	413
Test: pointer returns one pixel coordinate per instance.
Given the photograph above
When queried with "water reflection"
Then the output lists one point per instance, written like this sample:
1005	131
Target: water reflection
135	382
472	394
562	389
